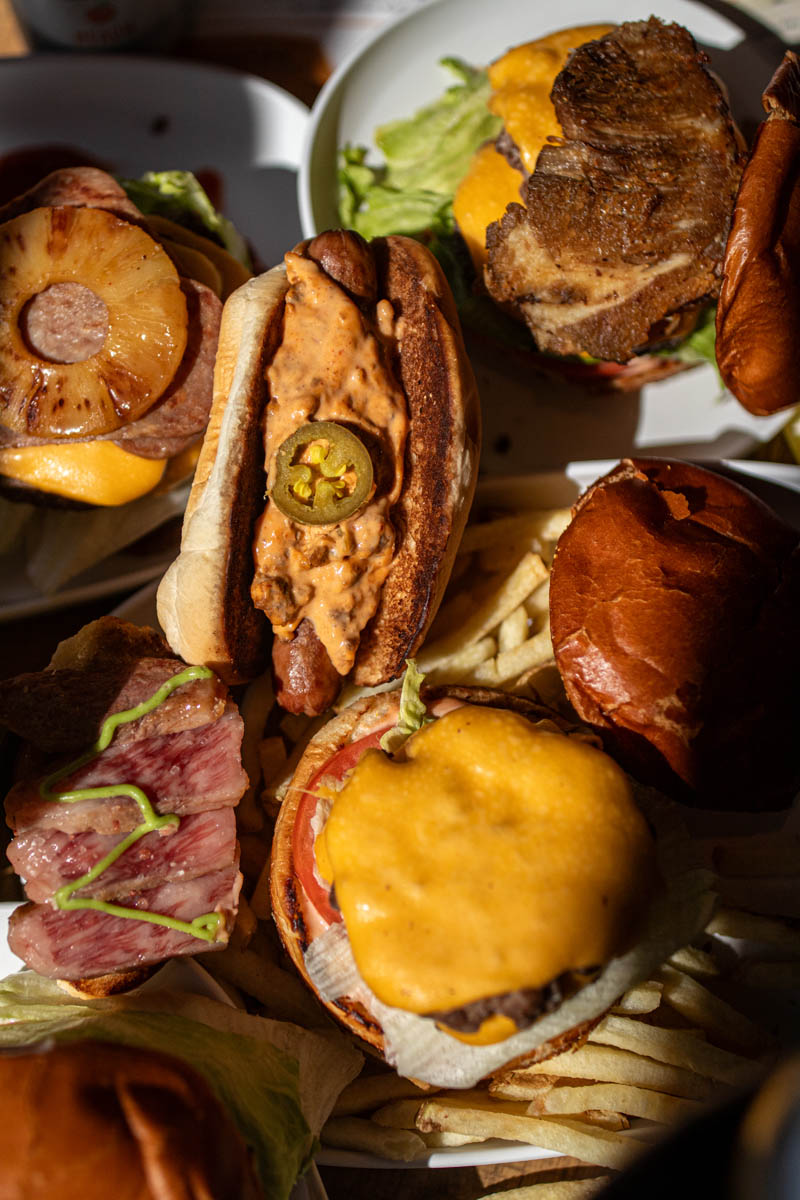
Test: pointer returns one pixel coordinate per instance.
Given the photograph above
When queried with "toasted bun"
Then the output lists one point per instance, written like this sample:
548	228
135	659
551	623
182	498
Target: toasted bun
204	599
675	617
758	316
288	900
87	1120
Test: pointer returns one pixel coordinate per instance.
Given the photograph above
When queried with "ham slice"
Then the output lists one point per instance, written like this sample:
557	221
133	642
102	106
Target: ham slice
80	943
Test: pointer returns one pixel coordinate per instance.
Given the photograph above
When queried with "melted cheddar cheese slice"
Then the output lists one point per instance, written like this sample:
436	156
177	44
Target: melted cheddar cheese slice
96	472
497	855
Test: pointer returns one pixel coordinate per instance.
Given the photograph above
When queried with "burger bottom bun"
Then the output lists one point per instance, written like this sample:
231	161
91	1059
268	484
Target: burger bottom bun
90	1119
415	1045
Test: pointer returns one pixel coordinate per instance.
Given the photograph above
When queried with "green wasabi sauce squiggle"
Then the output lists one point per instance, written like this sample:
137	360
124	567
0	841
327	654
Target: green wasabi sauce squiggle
205	926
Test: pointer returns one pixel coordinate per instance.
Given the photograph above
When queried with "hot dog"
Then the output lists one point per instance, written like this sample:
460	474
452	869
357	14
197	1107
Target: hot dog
342	392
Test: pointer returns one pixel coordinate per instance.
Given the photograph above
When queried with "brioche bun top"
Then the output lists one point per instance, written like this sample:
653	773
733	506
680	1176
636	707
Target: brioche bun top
675	616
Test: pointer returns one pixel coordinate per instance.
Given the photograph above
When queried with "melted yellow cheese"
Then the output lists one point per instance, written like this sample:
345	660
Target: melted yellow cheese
95	472
483	195
521	84
497	856
330	366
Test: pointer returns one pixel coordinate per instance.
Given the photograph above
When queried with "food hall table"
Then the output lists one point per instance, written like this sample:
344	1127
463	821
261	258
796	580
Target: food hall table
298	50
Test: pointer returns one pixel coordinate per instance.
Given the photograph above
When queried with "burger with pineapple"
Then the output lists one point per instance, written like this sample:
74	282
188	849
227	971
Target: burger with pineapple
110	301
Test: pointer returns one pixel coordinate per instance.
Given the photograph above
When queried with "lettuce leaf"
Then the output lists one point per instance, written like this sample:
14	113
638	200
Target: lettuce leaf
257	1083
424	159
180	197
413	713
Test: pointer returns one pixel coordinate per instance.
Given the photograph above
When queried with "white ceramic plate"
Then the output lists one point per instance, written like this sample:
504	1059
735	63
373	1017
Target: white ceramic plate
139	114
530	424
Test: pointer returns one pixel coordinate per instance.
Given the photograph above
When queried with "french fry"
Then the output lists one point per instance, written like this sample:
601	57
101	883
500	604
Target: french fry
441	1140
272	756
505	1088
609	1064
561	1189
526	576
603	1118
284	997
254	707
677	1047
358	1133
537	604
733	923
694	962
398	1114
513	630
459	665
260	901
511	663
644	998
538	526
635	1101
701	1007
368	1091
601	1147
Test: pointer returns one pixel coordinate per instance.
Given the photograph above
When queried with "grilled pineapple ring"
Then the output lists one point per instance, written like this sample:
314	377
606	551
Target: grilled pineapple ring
136	292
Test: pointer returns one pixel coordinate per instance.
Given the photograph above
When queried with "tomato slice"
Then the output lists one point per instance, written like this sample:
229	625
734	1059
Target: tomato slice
303	833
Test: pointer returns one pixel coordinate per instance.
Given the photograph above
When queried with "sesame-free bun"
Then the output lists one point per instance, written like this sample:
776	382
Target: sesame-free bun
675	616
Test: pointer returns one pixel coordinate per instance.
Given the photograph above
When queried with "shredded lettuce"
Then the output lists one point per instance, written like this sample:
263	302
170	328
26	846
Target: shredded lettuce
700	345
179	196
413	713
256	1082
424	159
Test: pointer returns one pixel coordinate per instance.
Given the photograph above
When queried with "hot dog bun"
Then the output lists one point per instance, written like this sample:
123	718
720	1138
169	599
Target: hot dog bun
674	601
204	603
758	316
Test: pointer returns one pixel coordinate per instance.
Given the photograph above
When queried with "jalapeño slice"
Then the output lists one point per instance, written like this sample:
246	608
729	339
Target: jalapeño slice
323	474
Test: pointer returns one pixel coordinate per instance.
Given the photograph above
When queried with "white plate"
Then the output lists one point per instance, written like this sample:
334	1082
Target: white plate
141	114
530	424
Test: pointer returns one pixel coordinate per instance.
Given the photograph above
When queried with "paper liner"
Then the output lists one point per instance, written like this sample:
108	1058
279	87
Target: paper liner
60	543
418	1049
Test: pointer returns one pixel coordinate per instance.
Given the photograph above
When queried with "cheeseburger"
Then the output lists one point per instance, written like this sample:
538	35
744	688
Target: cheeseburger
109	318
465	880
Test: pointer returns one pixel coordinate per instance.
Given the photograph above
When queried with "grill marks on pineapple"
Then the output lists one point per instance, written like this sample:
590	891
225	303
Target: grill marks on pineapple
54	381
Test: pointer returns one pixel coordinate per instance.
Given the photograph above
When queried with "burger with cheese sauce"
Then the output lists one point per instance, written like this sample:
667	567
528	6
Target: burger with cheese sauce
467	880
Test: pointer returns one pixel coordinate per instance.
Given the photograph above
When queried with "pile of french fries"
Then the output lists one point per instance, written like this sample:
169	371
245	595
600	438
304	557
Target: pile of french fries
675	1043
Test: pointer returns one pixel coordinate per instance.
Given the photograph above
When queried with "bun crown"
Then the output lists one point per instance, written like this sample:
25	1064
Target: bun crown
674	602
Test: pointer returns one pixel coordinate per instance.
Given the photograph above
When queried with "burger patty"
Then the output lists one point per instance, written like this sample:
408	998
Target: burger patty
523	1006
626	218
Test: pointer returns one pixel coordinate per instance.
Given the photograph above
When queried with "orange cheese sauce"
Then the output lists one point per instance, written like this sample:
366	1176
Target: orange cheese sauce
331	365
